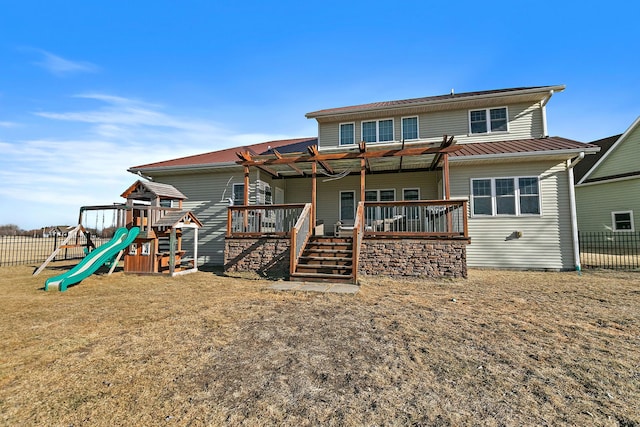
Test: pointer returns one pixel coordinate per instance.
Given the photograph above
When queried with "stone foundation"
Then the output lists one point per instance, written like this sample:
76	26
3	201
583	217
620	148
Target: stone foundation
436	258
267	256
413	257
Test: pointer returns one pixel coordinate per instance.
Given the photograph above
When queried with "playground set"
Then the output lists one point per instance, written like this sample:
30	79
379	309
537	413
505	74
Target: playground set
149	236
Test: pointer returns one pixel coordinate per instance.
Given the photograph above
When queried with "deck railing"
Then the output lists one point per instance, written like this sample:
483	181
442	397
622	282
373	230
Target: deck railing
300	236
433	218
256	220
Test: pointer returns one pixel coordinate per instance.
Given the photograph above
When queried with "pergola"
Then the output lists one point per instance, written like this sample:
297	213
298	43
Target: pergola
365	159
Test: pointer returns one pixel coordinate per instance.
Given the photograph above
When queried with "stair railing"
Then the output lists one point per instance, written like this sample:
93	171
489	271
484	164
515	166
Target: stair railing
358	233
300	234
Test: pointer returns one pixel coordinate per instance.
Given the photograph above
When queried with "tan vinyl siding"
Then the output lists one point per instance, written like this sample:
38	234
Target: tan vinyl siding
624	159
207	193
546	241
298	190
525	121
595	203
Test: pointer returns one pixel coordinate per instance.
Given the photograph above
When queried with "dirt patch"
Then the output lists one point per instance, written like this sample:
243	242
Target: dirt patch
500	348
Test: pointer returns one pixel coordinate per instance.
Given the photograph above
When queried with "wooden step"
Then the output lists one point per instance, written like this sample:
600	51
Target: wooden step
340	253
320	260
324	269
321	277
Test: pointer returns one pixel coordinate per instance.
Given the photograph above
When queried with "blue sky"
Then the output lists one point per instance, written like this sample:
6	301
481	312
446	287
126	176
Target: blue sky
90	88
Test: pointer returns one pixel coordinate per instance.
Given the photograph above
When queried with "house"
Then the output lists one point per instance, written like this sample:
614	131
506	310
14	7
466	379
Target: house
56	231
409	183
607	182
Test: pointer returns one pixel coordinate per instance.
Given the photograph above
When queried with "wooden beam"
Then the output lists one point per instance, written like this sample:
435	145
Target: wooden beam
445	173
323	158
316	155
291	165
444	145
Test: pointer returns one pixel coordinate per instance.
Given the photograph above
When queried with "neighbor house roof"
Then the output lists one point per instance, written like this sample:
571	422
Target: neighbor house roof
585	165
608	145
532	92
227	156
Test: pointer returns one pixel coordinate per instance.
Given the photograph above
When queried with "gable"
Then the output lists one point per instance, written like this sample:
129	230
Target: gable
622	159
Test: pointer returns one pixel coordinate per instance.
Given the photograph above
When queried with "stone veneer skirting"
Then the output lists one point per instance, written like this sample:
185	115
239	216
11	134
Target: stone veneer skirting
269	256
413	257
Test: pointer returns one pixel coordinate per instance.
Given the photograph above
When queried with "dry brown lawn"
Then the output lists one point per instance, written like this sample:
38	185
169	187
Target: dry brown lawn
500	348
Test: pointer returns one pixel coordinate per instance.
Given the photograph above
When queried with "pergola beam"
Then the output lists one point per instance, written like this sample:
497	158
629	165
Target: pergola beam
291	165
316	154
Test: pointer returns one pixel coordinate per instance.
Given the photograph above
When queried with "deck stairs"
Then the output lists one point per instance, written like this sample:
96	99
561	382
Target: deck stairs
326	259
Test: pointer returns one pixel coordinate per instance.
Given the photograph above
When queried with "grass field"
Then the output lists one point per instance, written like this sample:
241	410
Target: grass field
500	348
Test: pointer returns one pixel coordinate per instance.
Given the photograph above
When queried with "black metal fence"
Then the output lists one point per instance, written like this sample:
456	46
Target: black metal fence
616	251
20	250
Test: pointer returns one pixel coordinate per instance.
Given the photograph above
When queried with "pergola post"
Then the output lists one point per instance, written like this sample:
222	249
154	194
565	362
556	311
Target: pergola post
245	198
314	194
362	180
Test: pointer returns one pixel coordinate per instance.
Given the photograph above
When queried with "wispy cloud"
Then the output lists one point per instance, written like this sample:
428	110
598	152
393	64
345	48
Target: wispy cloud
60	66
52	177
9	125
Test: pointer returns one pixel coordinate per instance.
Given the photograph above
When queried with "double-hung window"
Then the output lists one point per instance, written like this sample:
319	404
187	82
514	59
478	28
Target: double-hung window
409	128
347	134
622	221
377	130
488	120
238	194
505	196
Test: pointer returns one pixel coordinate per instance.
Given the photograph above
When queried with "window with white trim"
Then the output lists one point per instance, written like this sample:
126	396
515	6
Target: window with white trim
622	221
238	194
347	133
377	130
505	196
488	120
409	128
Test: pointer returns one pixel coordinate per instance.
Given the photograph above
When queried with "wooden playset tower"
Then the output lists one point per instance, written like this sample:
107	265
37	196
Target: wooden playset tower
157	209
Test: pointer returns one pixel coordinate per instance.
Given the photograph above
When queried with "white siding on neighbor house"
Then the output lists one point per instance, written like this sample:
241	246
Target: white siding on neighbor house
624	158
298	190
207	194
546	241
525	121
595	203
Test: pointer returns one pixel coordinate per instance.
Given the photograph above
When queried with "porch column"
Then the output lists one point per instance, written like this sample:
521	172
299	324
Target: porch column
314	194
245	200
362	173
445	173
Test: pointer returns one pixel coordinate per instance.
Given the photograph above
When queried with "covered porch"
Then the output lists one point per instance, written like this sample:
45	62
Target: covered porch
377	235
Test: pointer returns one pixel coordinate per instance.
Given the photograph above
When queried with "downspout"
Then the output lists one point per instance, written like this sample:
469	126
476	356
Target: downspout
545	132
572	207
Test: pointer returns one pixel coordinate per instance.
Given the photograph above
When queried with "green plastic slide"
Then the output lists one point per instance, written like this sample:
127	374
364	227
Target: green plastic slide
122	238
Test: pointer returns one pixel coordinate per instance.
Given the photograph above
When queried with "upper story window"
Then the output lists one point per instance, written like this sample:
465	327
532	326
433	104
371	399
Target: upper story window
622	221
377	130
488	120
409	128
347	134
505	196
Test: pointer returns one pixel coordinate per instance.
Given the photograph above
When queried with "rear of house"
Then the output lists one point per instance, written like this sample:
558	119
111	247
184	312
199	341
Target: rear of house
495	160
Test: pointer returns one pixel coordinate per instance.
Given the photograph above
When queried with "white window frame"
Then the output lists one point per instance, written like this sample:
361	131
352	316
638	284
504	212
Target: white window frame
340	204
494	208
417	128
410	189
377	122
621	230
488	119
233	193
340	144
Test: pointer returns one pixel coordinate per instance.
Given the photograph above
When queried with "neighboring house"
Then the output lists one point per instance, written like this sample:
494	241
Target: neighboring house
608	185
56	231
475	166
